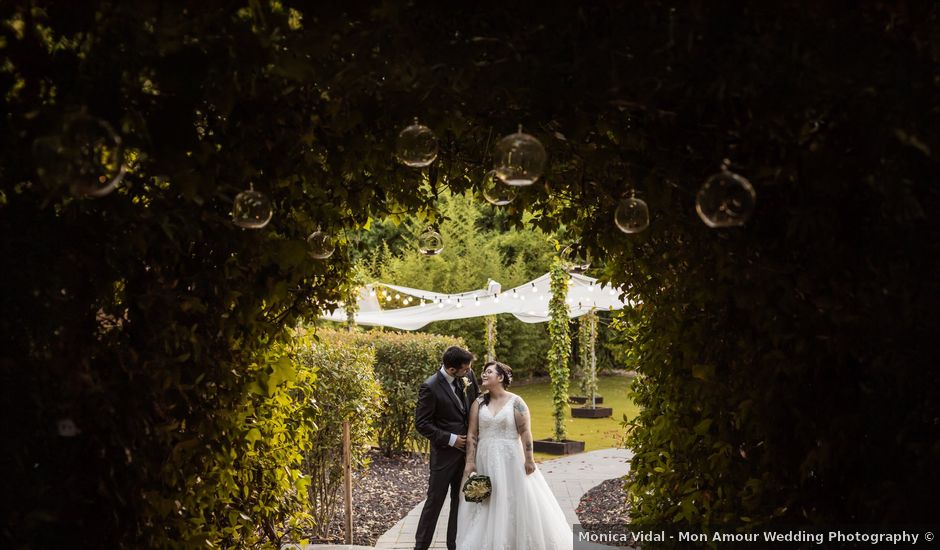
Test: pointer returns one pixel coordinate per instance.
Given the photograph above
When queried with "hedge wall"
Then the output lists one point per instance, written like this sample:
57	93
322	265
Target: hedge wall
402	361
345	389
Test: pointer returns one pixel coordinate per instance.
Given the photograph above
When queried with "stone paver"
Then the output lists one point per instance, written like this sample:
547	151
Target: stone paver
568	477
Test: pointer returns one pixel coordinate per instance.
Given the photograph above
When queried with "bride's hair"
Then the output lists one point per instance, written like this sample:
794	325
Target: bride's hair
500	368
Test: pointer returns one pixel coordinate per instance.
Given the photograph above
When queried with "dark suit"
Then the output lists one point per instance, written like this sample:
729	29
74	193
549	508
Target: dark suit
438	415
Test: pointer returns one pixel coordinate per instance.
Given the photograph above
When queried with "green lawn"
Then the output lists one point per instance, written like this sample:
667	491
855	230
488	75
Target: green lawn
597	433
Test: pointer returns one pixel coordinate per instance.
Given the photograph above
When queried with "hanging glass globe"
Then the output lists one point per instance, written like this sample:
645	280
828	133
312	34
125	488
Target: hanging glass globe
430	243
632	215
725	200
520	159
252	210
88	156
575	259
495	191
320	245
416	146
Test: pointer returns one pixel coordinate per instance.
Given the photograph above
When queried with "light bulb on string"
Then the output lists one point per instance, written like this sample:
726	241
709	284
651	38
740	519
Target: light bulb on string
495	299
496	191
430	243
520	159
416	146
459	305
725	199
632	215
477	301
87	155
320	246
534	289
251	209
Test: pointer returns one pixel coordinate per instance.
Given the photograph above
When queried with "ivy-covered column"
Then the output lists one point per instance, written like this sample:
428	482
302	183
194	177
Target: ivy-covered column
590	356
580	374
561	346
490	337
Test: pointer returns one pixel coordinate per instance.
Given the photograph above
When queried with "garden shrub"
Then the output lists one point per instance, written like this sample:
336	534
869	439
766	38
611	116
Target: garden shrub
402	362
249	490
345	389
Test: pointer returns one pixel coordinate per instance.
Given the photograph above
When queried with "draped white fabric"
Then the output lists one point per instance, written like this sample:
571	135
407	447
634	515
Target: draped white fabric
527	302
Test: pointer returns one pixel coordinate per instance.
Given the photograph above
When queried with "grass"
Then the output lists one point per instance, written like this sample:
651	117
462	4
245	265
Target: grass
597	433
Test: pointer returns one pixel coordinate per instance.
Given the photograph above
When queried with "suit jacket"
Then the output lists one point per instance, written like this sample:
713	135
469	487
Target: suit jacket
439	414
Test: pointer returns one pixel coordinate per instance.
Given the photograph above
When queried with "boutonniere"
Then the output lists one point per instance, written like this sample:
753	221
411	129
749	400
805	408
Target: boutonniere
466	382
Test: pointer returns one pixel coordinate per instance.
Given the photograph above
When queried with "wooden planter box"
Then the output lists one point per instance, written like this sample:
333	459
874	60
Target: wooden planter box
588	412
580	399
566	447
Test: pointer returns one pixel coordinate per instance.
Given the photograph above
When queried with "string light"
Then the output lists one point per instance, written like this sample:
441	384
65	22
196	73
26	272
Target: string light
495	299
459	305
533	288
514	293
477	300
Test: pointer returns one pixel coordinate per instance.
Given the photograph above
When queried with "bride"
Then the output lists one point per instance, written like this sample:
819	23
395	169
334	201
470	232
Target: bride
521	512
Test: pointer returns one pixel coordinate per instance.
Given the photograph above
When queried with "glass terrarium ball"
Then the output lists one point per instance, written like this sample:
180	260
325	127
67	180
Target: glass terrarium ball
430	243
495	191
88	156
725	200
320	245
416	146
520	159
632	215
252	210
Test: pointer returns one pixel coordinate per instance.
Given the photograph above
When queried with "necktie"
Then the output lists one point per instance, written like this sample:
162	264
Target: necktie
458	387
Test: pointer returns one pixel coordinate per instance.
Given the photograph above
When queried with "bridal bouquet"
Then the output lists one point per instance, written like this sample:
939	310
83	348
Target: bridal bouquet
477	488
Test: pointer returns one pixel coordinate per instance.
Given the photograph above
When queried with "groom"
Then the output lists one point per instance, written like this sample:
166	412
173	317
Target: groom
443	406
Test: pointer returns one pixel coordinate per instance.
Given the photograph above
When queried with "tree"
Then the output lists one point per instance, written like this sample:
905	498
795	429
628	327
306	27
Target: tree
476	249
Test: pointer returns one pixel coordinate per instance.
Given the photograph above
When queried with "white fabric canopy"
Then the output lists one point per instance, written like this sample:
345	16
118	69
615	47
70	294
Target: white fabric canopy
527	302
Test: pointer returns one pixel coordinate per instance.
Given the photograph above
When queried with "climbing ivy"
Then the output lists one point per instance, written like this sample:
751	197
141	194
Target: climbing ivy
560	349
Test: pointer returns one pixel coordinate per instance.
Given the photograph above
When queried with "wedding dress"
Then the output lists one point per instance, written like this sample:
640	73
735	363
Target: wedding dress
521	512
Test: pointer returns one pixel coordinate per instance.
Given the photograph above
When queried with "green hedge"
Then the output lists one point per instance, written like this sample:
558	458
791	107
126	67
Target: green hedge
243	486
402	361
344	389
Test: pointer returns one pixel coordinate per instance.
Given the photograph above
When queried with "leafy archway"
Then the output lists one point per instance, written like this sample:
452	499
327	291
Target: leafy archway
139	317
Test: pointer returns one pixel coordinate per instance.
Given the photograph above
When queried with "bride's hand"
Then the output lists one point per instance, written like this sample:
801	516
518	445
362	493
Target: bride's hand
469	469
529	467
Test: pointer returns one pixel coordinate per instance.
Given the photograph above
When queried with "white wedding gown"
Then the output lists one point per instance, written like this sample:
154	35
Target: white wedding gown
521	512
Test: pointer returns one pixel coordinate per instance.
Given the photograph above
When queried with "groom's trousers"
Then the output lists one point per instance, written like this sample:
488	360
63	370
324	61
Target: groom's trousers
439	482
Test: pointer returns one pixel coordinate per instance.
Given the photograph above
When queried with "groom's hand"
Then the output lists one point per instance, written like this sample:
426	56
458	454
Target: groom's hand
461	442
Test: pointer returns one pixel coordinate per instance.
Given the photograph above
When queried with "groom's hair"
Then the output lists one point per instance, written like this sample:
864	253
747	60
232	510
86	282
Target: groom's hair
456	357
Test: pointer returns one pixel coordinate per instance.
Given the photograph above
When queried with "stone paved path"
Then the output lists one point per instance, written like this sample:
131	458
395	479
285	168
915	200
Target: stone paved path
569	478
